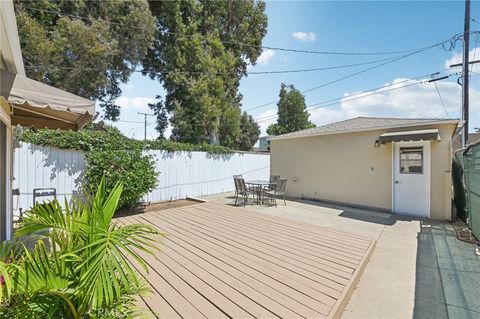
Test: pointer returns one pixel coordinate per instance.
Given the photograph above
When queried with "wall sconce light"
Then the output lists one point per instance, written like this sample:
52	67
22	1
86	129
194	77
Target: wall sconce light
377	143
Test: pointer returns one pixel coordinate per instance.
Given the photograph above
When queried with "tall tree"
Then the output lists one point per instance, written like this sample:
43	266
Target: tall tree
249	133
160	112
200	54
86	47
292	113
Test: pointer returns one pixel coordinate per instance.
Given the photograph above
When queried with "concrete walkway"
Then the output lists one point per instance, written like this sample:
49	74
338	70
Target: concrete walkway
418	268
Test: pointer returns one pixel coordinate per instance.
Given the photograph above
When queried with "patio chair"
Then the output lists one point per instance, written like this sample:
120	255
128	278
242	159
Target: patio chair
273	179
241	190
236	176
279	190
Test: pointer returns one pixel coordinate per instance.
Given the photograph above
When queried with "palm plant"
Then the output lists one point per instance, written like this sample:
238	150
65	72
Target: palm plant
79	261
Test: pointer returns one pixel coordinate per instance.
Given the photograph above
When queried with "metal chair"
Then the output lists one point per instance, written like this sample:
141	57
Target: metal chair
273	179
43	192
236	176
278	190
241	190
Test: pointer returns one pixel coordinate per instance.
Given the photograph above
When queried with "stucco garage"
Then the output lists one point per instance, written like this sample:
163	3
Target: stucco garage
388	164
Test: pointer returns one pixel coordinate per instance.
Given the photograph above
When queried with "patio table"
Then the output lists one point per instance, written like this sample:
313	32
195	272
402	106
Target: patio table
258	185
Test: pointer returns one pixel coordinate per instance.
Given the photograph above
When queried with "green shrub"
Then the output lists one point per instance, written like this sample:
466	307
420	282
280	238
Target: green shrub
131	167
84	267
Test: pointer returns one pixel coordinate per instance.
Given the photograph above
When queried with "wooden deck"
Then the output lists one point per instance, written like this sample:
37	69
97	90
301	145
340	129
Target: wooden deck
224	262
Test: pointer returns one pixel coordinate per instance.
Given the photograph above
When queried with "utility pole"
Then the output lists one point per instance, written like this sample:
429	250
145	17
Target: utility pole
145	114
465	65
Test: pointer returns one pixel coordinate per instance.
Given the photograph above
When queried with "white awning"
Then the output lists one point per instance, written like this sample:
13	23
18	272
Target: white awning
405	136
41	105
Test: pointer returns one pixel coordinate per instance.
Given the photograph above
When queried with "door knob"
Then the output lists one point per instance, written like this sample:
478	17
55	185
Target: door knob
397	182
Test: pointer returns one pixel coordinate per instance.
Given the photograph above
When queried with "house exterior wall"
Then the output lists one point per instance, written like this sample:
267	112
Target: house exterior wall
263	144
5	171
348	168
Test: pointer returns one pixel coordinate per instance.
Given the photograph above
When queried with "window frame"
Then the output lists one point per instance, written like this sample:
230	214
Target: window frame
412	149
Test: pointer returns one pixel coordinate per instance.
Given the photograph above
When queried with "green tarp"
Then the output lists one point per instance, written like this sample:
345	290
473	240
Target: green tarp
466	185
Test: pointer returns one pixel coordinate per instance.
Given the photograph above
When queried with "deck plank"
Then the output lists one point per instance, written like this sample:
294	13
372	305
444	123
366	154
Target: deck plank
277	272
315	232
298	226
314	238
218	261
190	260
280	241
281	300
267	246
259	249
156	299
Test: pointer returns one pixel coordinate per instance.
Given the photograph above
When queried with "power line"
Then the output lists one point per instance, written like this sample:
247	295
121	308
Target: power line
375	91
219	73
245	44
440	97
474	53
317	106
351	75
124	121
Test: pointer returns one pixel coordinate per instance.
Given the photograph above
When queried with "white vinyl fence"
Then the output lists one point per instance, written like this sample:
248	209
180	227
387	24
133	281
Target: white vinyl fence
182	174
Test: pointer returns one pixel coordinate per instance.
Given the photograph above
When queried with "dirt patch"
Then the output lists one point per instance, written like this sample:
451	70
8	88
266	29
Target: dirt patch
169	204
143	208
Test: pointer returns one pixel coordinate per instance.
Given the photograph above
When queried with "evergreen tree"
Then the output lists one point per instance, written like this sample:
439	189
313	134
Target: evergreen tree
249	133
160	112
85	47
292	113
198	59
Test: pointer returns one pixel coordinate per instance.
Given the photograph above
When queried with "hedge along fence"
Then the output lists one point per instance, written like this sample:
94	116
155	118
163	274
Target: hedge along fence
182	174
109	153
154	171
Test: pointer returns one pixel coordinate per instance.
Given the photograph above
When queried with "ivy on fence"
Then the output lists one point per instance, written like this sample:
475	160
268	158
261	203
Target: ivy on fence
101	136
111	154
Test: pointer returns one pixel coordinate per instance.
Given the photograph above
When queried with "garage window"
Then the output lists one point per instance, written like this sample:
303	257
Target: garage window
411	160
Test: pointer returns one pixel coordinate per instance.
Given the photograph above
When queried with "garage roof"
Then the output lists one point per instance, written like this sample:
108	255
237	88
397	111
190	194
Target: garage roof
360	124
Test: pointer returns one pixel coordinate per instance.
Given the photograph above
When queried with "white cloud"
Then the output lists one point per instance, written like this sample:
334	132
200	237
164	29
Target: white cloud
323	116
270	119
416	101
265	57
139	102
420	100
458	57
304	36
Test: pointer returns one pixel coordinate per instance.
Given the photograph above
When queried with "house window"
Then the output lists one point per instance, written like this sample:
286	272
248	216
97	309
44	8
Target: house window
411	160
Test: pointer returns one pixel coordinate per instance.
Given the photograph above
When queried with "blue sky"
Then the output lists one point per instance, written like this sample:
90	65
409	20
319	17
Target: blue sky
357	26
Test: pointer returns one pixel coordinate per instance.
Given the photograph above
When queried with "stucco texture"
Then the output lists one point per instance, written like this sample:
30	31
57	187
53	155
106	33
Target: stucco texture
348	168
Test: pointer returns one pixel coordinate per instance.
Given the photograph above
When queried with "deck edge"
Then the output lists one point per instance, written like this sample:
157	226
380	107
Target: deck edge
338	308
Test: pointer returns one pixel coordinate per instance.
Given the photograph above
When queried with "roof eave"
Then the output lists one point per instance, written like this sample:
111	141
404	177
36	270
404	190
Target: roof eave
280	137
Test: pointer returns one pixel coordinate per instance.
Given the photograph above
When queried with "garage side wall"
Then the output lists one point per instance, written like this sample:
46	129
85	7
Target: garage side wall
348	168
344	168
441	177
